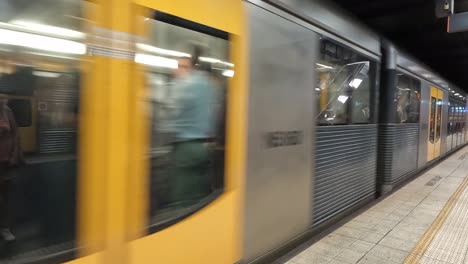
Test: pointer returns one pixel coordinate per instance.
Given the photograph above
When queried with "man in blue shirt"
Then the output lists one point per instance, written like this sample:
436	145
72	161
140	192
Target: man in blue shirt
194	124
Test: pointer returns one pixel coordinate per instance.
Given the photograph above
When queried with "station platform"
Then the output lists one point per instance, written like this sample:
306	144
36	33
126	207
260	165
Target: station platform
426	221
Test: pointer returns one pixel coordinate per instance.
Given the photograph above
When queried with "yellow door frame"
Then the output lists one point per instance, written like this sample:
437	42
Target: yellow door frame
107	124
433	149
221	221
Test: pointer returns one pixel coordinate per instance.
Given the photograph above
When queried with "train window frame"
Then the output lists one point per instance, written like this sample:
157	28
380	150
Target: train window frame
155	224
352	84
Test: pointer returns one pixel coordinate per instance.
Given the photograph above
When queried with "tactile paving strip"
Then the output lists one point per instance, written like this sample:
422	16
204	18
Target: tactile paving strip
446	241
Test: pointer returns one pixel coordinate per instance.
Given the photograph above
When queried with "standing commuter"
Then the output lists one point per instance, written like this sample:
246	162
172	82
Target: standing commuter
194	124
11	157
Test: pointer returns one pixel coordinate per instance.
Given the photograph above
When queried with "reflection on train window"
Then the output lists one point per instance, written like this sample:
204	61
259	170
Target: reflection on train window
187	74
39	88
344	84
408	98
432	120
439	119
22	111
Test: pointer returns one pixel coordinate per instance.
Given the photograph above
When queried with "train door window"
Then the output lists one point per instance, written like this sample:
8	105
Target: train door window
408	99
459	123
187	71
345	79
432	121
439	119
41	43
464	122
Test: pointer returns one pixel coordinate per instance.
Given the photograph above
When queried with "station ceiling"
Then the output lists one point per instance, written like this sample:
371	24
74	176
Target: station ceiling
413	26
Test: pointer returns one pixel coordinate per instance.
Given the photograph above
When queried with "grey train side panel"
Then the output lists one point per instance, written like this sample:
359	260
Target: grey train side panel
424	123
324	14
345	169
399	152
281	99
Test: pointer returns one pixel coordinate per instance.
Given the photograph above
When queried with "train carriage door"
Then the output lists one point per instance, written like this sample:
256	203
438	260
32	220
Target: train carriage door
189	121
435	123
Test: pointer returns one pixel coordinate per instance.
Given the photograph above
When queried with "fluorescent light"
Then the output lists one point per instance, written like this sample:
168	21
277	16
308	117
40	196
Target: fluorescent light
175	53
453	91
355	83
34	41
52	30
150	48
343	98
46	74
359	62
317	89
228	73
52	55
324	66
156	61
213	60
457	94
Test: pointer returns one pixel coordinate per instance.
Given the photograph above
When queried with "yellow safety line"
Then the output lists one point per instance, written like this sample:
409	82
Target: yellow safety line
430	233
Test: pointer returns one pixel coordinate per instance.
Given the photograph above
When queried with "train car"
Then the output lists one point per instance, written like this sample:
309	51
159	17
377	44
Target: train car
421	132
316	116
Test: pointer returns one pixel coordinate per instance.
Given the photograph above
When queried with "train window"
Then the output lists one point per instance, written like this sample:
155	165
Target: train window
41	44
187	71
439	119
432	121
345	79
22	111
408	99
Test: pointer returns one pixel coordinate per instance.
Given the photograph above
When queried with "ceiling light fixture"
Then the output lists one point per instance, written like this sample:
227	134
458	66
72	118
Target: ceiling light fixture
50	30
157	50
34	41
228	73
156	61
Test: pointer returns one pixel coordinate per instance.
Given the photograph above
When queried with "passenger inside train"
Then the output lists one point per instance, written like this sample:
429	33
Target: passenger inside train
188	118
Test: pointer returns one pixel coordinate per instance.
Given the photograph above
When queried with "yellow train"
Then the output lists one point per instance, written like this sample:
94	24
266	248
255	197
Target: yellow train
95	85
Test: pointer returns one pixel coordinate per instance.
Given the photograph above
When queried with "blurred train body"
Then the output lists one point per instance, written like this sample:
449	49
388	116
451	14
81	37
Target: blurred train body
316	117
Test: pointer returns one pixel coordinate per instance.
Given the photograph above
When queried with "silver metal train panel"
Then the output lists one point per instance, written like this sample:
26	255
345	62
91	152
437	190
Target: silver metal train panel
280	132
325	15
398	153
345	169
